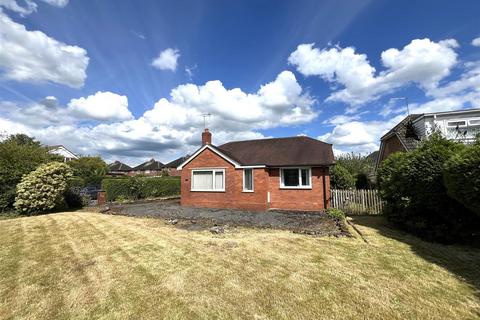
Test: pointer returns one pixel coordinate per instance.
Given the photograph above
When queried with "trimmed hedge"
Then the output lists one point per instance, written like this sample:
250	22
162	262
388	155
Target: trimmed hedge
140	188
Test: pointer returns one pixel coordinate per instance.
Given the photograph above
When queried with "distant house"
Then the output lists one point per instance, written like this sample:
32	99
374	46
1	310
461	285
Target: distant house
150	168
462	125
118	168
281	173
171	167
60	150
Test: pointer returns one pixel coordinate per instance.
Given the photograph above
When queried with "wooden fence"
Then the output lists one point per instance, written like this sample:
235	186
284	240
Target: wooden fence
357	201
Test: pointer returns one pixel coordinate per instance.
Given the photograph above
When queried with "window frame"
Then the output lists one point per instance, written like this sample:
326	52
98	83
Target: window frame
300	186
253	179
465	121
474	124
213	170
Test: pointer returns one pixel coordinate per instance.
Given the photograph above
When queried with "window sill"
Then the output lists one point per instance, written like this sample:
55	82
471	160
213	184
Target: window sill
207	190
248	191
296	188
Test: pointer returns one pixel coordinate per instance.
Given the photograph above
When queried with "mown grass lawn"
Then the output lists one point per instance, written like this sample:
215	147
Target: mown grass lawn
88	265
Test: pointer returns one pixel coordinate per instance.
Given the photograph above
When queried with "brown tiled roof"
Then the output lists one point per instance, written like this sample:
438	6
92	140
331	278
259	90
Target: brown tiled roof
151	164
175	163
119	166
277	152
405	132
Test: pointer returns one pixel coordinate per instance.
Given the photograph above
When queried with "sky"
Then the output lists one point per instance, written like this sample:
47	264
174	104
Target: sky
130	80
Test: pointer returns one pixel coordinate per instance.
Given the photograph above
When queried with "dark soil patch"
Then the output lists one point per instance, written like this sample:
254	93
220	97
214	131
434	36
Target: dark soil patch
197	219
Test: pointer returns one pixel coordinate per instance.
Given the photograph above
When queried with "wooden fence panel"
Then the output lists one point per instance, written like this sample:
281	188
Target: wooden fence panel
357	201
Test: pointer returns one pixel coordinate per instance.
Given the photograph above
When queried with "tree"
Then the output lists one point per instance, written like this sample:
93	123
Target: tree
91	169
43	189
359	166
341	178
19	155
23	139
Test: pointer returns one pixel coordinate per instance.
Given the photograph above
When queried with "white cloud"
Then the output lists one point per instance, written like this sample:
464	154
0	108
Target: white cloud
422	62
104	106
29	6
12	5
359	136
167	60
476	42
32	56
57	3
172	127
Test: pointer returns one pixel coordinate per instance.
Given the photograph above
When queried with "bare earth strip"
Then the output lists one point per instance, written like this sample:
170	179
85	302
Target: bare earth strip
87	265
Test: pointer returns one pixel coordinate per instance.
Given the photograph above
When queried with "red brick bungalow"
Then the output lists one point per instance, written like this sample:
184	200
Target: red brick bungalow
280	173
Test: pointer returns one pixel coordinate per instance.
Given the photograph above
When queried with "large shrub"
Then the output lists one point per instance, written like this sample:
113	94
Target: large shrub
416	198
19	155
462	177
341	178
140	188
43	189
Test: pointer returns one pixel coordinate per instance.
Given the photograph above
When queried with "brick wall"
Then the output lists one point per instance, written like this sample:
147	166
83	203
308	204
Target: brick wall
300	199
233	197
265	180
391	145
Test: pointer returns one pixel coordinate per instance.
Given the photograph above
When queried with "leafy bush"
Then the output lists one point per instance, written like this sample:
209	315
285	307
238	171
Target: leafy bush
335	213
19	155
462	177
341	178
140	188
416	198
362	181
43	189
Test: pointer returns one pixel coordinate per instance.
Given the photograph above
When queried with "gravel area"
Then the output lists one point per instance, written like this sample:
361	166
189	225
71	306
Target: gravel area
313	223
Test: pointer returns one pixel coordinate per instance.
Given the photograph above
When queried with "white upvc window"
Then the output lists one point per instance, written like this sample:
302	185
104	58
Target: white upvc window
295	178
212	180
457	123
248	180
474	122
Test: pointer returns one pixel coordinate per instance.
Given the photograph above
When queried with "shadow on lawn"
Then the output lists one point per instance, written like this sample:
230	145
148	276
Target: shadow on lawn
463	261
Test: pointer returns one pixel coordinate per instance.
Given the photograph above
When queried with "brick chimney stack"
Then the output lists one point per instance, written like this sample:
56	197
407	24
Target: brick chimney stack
206	137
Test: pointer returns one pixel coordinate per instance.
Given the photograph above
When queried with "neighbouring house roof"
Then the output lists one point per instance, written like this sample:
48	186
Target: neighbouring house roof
62	151
373	156
119	166
151	164
276	152
405	132
175	163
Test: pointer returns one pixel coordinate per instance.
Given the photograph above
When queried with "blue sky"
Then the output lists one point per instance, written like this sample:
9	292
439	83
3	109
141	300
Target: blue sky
129	80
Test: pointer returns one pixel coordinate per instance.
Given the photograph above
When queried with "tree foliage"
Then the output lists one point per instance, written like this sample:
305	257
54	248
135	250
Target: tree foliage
341	178
359	166
43	189
19	155
90	169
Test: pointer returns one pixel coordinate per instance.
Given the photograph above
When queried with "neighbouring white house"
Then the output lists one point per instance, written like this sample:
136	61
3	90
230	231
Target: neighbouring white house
460	125
63	152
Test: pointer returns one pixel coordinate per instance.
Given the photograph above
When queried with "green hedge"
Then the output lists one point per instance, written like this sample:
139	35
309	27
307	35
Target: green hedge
141	188
412	184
